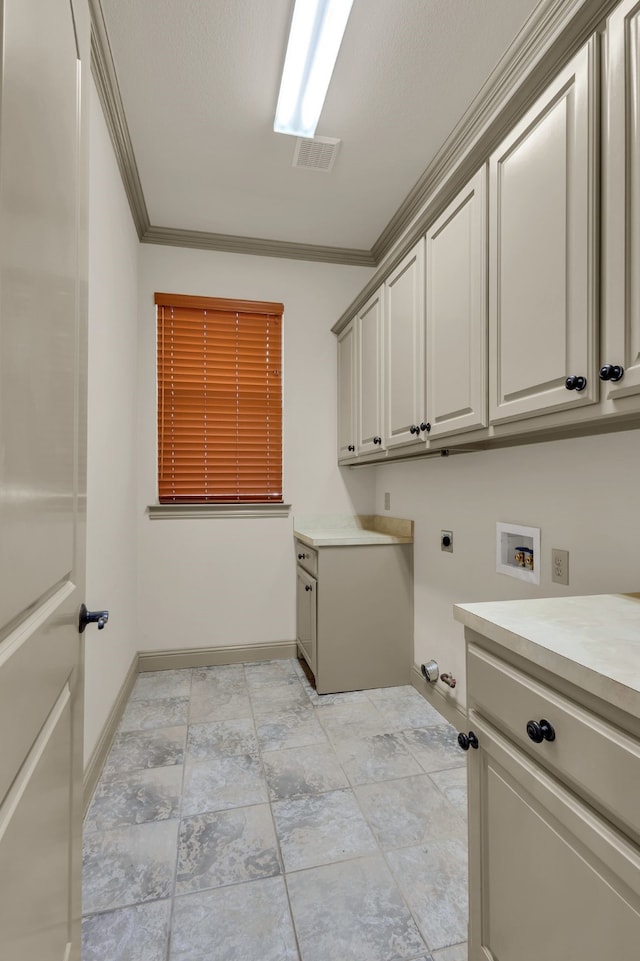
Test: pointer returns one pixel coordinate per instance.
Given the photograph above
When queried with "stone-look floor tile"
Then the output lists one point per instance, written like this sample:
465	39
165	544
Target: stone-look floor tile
221	739
228	782
150	713
243	922
436	748
138	933
299	771
458	952
343	719
409	811
265	673
346	697
226	847
153	684
433	879
296	728
380	757
223	705
285	695
135	797
353	911
321	828
128	866
453	784
407	709
137	750
207	681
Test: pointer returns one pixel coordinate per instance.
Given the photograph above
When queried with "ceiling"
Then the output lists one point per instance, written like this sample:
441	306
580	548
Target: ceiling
199	79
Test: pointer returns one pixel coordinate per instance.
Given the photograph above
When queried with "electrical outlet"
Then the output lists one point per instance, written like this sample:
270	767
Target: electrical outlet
446	541
559	566
387	501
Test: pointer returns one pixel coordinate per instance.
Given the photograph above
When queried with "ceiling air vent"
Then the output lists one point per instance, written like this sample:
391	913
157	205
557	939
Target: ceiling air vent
317	153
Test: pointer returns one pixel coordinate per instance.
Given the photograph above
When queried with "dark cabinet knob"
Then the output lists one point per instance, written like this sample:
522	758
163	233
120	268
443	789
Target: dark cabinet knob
468	740
612	372
308	587
377	440
575	382
351	447
414	430
301	557
91	617
540	731
426	426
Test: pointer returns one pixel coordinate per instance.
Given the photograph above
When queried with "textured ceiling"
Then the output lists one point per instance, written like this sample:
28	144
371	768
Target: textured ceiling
199	81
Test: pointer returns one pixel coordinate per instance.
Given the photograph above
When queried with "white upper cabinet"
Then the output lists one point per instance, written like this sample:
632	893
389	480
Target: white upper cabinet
542	280
404	394
620	357
456	310
346	393
369	375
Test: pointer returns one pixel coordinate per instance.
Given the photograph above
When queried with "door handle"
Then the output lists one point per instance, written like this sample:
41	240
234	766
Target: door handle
91	617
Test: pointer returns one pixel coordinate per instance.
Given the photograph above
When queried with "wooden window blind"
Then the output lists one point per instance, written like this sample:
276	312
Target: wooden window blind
219	400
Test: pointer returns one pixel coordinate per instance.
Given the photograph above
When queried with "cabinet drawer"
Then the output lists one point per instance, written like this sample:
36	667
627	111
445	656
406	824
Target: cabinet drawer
588	754
307	557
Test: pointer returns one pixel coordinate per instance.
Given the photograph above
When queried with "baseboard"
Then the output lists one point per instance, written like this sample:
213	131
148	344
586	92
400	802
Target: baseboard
443	705
214	656
93	769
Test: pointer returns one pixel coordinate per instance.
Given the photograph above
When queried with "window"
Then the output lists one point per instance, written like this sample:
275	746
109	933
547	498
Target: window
219	400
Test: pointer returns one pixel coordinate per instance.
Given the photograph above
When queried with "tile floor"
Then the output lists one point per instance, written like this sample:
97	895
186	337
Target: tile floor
243	817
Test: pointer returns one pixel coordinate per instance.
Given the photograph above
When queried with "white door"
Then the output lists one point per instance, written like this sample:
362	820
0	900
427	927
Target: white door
621	206
42	453
457	313
404	395
542	287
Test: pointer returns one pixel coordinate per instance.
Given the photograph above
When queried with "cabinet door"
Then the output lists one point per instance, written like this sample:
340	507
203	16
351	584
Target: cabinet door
548	878
621	201
369	375
346	393
542	281
306	616
457	313
404	396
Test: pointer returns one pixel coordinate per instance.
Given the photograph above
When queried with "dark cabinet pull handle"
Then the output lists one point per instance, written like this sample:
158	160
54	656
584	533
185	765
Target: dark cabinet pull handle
612	372
377	440
426	426
350	447
540	731
575	382
468	740
308	587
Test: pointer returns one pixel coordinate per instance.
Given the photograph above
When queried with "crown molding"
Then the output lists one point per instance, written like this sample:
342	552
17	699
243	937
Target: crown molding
106	80
553	32
176	237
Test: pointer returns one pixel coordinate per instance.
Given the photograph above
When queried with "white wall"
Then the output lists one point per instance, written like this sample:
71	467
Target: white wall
111	493
582	493
214	582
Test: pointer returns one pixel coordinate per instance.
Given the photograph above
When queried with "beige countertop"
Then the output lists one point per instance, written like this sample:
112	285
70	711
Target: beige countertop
347	530
593	641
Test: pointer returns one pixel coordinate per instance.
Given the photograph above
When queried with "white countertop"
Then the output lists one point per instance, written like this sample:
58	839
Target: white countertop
348	530
593	641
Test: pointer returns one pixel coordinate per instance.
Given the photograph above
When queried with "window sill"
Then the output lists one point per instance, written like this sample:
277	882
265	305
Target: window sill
190	511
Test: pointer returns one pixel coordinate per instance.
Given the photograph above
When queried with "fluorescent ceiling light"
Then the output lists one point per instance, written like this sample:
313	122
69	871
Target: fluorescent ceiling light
316	33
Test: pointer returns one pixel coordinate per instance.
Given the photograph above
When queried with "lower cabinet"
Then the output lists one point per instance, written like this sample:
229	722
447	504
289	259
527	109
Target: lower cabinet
554	861
355	616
